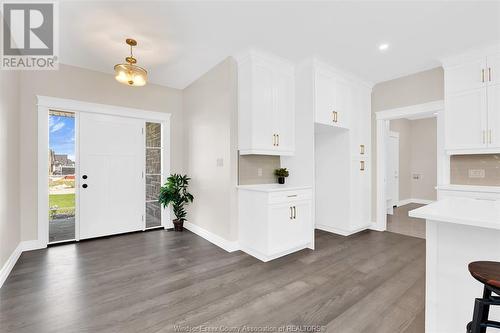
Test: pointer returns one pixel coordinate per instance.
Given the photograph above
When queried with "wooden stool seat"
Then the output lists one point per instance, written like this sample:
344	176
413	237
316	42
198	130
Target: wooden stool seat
487	272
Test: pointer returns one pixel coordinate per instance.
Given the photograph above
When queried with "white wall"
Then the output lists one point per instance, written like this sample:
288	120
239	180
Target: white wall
10	226
210	134
90	86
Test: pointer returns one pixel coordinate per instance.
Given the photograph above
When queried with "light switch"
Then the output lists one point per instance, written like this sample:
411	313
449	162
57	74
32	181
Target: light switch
476	173
220	162
259	172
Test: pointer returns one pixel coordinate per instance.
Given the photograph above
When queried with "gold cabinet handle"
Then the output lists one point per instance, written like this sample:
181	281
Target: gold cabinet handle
362	165
278	140
484	136
291	213
362	149
294	212
489	74
482	75
489	136
274	140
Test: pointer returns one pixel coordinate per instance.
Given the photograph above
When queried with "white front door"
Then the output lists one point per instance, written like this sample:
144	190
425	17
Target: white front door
111	170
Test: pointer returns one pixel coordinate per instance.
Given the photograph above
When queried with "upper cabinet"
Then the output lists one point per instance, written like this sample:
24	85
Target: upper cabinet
266	101
333	97
472	103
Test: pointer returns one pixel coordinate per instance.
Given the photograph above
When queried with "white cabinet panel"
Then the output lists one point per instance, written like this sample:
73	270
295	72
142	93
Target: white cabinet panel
324	89
466	119
494	116
344	106
466	76
266	105
360	195
287	225
493	63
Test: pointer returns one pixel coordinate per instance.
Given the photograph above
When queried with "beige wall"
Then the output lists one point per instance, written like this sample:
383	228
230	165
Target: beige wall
414	89
210	125
89	86
424	158
461	164
249	165
10	227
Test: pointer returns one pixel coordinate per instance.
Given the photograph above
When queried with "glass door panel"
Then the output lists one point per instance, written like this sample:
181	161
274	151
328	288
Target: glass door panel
153	174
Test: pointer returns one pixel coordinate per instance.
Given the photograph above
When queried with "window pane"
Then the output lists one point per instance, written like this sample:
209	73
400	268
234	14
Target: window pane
153	184
153	135
153	161
61	176
153	214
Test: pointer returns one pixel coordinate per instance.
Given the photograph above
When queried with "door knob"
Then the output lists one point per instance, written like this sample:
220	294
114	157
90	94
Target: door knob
84	185
84	176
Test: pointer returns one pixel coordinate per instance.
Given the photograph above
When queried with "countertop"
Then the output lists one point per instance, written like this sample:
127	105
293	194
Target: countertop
469	188
467	211
272	187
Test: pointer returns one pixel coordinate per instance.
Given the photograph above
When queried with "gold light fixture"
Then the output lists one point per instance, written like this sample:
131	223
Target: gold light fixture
129	73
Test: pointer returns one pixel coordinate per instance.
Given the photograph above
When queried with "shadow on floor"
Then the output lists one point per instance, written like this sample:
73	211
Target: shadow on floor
401	223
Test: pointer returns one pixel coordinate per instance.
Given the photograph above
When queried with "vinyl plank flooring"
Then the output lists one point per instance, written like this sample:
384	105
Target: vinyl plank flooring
153	281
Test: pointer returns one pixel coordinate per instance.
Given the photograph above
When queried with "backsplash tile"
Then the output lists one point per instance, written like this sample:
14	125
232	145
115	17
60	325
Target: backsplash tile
249	165
470	169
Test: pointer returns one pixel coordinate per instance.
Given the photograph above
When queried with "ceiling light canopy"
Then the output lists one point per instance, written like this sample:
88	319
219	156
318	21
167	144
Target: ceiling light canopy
383	46
129	73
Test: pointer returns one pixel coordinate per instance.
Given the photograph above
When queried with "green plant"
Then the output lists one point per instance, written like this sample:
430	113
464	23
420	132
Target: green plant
175	192
281	172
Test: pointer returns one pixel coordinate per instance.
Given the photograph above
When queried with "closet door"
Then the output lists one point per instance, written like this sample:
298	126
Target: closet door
111	175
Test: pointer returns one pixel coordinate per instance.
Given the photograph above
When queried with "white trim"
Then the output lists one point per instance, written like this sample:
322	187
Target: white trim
414	200
79	106
265	258
383	117
229	246
340	232
32	245
9	264
419	110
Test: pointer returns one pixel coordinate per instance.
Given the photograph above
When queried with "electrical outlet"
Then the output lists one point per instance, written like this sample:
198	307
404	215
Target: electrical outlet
416	176
476	173
259	172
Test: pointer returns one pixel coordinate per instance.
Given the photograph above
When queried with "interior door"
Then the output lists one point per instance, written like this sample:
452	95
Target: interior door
111	175
393	169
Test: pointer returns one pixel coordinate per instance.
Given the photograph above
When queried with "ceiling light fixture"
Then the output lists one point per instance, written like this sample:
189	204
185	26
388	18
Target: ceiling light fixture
383	47
129	73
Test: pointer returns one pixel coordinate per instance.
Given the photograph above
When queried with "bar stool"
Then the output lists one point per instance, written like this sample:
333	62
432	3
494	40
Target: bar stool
488	273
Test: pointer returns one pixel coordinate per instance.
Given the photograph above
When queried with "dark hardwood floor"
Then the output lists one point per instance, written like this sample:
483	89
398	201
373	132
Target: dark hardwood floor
149	282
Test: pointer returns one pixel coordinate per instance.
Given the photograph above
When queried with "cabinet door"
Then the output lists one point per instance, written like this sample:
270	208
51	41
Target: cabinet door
467	76
263	108
466	114
360	194
284	111
493	63
344	102
494	116
287	227
324	91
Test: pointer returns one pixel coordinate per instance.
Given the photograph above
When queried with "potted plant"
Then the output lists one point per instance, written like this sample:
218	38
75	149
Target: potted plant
281	173
175	192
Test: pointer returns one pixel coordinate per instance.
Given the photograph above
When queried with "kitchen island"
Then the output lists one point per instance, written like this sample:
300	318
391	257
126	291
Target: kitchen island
459	230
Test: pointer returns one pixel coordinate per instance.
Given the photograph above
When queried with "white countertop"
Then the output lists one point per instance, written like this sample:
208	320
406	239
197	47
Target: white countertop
469	188
467	211
272	187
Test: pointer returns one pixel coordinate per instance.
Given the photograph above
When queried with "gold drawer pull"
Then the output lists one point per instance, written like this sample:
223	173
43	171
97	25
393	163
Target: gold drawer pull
362	165
362	149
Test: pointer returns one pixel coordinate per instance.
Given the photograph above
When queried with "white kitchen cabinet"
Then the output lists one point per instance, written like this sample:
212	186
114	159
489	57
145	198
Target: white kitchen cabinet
472	93
274	220
266	102
333	99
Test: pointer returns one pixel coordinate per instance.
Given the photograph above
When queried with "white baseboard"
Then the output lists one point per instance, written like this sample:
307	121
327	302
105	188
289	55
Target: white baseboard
32	245
9	264
265	258
229	246
414	200
338	231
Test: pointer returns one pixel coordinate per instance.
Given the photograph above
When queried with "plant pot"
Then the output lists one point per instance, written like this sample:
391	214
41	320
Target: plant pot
281	180
178	225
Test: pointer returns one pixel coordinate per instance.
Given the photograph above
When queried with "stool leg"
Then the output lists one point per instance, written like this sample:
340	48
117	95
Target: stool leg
486	308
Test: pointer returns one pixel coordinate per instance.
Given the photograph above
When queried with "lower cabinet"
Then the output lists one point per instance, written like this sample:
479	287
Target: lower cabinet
274	223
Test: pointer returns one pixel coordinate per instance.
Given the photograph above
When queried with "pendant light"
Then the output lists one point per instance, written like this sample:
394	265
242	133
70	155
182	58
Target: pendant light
129	73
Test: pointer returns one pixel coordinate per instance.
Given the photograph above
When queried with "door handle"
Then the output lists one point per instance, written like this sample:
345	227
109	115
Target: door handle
84	177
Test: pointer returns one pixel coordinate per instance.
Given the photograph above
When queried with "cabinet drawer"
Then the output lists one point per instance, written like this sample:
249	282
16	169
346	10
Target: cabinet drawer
287	196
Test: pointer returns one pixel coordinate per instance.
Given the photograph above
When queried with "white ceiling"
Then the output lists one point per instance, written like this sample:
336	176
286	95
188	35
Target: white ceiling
179	41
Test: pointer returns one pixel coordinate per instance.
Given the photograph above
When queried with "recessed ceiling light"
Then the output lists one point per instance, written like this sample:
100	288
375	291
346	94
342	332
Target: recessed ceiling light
383	47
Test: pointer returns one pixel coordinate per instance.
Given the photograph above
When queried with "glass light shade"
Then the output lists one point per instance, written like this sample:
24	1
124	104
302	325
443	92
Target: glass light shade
131	75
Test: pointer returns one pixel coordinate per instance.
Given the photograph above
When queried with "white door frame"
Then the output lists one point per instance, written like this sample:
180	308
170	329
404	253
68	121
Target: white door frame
443	160
394	191
45	104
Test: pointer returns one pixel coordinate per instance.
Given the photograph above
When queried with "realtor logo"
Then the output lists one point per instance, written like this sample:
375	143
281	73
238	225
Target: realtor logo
29	36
